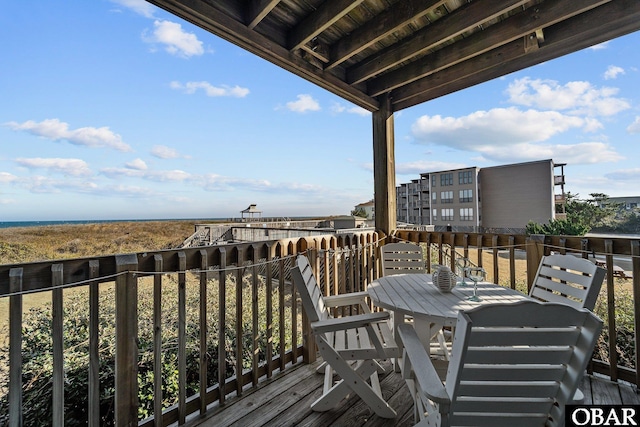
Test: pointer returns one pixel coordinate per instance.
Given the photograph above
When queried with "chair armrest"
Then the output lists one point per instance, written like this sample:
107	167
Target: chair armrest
417	365
345	299
348	322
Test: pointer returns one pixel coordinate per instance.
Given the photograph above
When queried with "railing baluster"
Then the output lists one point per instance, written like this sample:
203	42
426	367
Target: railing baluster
94	341
239	329
512	262
494	250
281	301
15	347
57	280
182	338
269	303
157	340
635	272
204	277
222	326
255	335
611	312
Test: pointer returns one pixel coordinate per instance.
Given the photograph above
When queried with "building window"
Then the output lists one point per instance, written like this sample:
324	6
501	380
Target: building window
447	214
446	196
446	179
465	177
466	214
434	196
466	196
435	214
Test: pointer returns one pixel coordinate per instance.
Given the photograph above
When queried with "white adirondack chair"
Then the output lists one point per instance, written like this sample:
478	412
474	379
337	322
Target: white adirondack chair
512	365
401	258
567	279
364	338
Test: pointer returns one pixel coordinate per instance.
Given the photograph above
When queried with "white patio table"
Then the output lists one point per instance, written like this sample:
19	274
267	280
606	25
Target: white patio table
415	295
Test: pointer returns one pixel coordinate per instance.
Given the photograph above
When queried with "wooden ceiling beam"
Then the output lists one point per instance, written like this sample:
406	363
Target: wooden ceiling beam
512	28
381	26
325	16
257	10
456	23
579	32
204	15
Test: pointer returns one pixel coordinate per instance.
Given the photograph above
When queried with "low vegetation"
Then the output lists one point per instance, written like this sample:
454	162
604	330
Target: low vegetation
29	244
594	214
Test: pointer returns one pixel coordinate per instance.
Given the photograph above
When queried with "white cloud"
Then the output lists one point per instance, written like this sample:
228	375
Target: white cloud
210	90
613	72
141	7
600	46
573	154
6	177
338	108
496	127
422	166
156	176
303	104
175	40
56	130
137	164
575	97
164	152
635	126
74	167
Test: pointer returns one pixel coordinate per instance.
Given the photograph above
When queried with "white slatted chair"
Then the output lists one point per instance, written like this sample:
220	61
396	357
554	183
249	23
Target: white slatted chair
401	258
407	258
512	365
364	338
567	279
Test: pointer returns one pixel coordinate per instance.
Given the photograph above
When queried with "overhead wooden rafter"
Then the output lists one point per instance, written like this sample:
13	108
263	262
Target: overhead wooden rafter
409	51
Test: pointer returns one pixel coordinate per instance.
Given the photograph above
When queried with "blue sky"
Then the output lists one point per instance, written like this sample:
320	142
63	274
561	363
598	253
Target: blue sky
115	109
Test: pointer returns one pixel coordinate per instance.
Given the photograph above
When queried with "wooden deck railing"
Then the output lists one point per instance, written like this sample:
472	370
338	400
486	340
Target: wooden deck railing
234	305
237	316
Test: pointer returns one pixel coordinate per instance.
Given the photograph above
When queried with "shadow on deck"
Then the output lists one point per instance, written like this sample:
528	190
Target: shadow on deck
285	401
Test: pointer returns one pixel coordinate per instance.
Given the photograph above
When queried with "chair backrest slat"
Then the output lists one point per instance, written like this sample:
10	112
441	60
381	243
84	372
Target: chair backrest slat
310	292
401	258
568	279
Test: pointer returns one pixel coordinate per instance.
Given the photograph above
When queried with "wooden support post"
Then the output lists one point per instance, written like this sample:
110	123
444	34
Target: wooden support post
535	252
384	173
182	338
126	341
15	347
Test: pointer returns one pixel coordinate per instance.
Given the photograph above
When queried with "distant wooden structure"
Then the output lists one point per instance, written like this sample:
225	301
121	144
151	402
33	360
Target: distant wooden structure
251	212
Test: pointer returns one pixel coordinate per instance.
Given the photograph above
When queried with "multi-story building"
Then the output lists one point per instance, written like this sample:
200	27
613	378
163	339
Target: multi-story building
476	199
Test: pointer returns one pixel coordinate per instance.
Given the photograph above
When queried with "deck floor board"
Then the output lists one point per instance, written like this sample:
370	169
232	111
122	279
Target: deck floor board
285	400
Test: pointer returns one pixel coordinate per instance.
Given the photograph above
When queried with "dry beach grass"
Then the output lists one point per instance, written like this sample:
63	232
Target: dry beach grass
32	244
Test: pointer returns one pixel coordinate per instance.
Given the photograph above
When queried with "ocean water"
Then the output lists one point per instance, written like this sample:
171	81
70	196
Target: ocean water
7	224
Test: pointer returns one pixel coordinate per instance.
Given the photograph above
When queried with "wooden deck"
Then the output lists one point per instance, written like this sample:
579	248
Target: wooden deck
285	401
